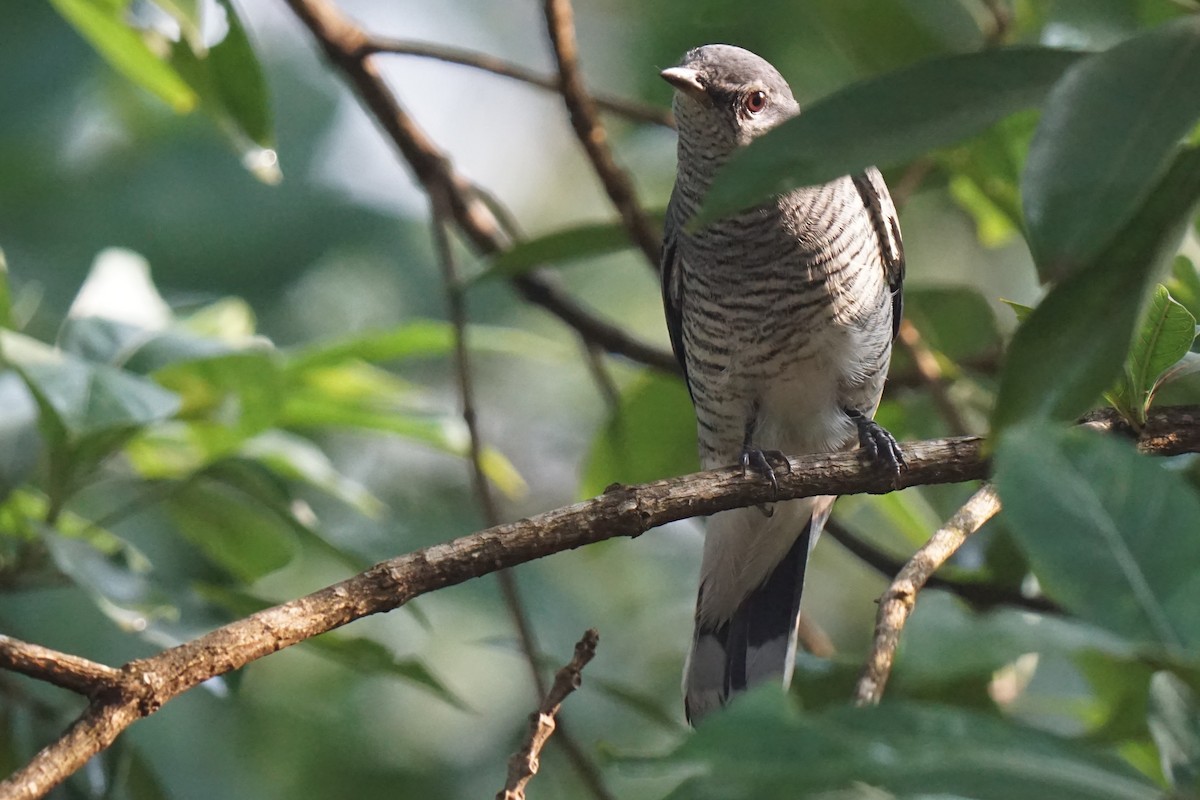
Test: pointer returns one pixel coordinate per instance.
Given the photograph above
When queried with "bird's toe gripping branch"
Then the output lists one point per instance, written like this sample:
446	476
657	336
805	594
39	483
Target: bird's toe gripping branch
760	460
879	445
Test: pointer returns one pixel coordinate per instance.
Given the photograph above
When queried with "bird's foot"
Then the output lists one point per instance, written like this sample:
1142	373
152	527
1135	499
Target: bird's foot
759	460
879	445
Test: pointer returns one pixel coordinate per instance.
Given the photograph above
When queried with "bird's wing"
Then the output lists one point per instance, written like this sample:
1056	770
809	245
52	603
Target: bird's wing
672	288
878	201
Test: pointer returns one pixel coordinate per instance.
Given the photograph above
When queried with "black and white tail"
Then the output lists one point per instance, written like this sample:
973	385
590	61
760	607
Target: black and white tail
746	613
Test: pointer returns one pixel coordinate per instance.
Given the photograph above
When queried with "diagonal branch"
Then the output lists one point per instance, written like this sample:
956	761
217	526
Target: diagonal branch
591	134
901	596
347	48
145	685
630	109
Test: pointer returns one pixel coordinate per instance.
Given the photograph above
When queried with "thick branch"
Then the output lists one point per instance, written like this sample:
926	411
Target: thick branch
145	685
591	134
524	763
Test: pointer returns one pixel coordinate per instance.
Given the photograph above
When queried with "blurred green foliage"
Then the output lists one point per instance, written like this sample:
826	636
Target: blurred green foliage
275	407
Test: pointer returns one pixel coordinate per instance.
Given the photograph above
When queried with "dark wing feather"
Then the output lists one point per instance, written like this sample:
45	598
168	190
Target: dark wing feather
672	290
879	205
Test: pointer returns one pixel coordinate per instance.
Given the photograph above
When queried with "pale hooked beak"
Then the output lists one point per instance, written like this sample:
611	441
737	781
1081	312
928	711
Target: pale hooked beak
687	81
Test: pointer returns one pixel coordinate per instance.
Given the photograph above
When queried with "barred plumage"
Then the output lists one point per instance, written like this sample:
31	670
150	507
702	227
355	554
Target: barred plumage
782	318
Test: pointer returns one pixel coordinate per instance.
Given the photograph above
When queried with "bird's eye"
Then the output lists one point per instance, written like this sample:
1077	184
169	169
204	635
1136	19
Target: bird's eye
756	101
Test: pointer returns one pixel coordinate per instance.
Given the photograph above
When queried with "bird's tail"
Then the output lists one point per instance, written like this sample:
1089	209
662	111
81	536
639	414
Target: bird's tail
756	641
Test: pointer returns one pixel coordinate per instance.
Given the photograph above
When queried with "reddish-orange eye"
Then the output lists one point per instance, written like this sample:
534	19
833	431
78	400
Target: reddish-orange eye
756	101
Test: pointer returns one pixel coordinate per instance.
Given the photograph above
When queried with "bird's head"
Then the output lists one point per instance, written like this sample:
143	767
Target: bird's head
725	96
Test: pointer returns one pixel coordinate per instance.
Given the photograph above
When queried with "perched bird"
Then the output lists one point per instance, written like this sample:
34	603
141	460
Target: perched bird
782	318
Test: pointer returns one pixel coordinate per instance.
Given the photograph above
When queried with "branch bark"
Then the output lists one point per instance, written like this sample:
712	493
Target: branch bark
560	21
348	48
639	112
143	686
525	762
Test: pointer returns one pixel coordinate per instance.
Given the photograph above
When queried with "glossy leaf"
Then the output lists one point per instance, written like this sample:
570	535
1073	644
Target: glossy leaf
885	121
761	747
651	435
1110	130
957	322
1184	284
1109	533
1073	345
103	26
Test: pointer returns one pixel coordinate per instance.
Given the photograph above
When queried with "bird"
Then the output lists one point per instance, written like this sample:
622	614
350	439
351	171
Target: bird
782	319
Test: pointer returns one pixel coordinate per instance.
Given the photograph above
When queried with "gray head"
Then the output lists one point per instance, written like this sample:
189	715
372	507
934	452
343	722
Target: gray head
725	96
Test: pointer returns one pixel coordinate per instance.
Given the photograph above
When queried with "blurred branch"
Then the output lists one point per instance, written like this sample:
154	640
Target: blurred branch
640	112
344	44
591	134
930	374
1001	22
980	595
524	763
77	674
142	687
457	307
901	596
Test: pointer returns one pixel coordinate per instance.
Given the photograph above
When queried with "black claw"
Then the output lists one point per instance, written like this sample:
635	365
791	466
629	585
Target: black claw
880	446
759	460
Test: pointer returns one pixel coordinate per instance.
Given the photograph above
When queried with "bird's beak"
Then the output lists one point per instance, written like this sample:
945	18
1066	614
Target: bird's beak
687	81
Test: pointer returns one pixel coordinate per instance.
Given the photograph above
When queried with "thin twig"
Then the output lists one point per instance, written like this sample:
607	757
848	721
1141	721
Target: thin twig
146	685
524	763
630	109
979	595
61	669
343	43
509	590
898	601
930	372
591	134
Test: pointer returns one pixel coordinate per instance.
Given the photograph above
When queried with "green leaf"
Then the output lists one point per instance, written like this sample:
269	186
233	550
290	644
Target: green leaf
103	25
955	321
1023	312
233	530
229	82
20	442
424	339
228	398
1166	335
1184	284
885	121
651	435
1175	725
559	247
1131	105
363	655
760	747
6	320
91	399
1109	533
1060	359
